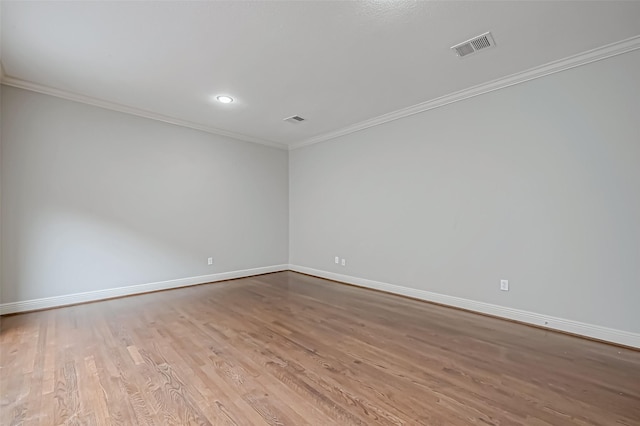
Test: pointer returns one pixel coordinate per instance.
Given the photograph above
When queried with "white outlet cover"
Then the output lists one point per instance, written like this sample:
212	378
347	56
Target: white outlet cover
210	261
337	260
504	285
344	262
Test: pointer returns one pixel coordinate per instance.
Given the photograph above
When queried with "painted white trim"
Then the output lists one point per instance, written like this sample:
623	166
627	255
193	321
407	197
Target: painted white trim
554	323
589	330
584	58
113	106
92	296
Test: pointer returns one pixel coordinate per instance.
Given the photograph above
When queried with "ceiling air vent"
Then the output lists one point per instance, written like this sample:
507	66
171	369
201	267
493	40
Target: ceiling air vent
293	119
484	41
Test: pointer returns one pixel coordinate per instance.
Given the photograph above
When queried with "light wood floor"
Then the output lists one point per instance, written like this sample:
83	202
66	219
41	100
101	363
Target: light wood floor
290	349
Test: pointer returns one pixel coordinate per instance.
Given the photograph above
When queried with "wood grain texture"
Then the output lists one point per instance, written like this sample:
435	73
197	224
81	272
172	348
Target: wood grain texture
290	349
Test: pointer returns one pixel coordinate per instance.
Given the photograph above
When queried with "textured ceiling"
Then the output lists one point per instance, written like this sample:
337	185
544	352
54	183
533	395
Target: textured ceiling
334	63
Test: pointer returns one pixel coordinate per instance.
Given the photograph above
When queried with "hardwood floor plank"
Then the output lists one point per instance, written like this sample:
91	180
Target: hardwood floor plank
290	349
98	398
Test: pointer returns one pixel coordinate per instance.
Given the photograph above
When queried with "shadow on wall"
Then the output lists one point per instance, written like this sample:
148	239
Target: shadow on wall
65	252
96	199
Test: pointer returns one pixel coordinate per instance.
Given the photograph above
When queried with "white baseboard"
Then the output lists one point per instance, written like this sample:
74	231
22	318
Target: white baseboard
574	327
569	326
91	296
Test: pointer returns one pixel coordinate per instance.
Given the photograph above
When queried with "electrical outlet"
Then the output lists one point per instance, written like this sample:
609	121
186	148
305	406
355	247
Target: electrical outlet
504	285
344	262
337	260
210	261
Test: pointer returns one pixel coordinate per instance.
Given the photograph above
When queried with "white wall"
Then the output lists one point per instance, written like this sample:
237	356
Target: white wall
537	183
94	199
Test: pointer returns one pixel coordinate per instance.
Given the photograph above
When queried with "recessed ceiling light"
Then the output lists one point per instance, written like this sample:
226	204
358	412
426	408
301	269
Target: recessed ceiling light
224	99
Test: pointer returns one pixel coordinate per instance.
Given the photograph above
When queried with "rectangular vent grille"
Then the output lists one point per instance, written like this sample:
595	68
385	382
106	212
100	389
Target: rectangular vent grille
294	119
468	47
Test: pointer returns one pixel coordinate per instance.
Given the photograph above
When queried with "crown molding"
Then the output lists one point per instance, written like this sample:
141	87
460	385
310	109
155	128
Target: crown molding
580	59
584	58
34	87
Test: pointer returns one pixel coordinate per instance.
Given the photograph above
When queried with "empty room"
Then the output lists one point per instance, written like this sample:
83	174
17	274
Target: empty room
320	213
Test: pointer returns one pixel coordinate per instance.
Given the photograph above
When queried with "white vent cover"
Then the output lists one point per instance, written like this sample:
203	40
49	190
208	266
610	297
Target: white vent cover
293	119
481	42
